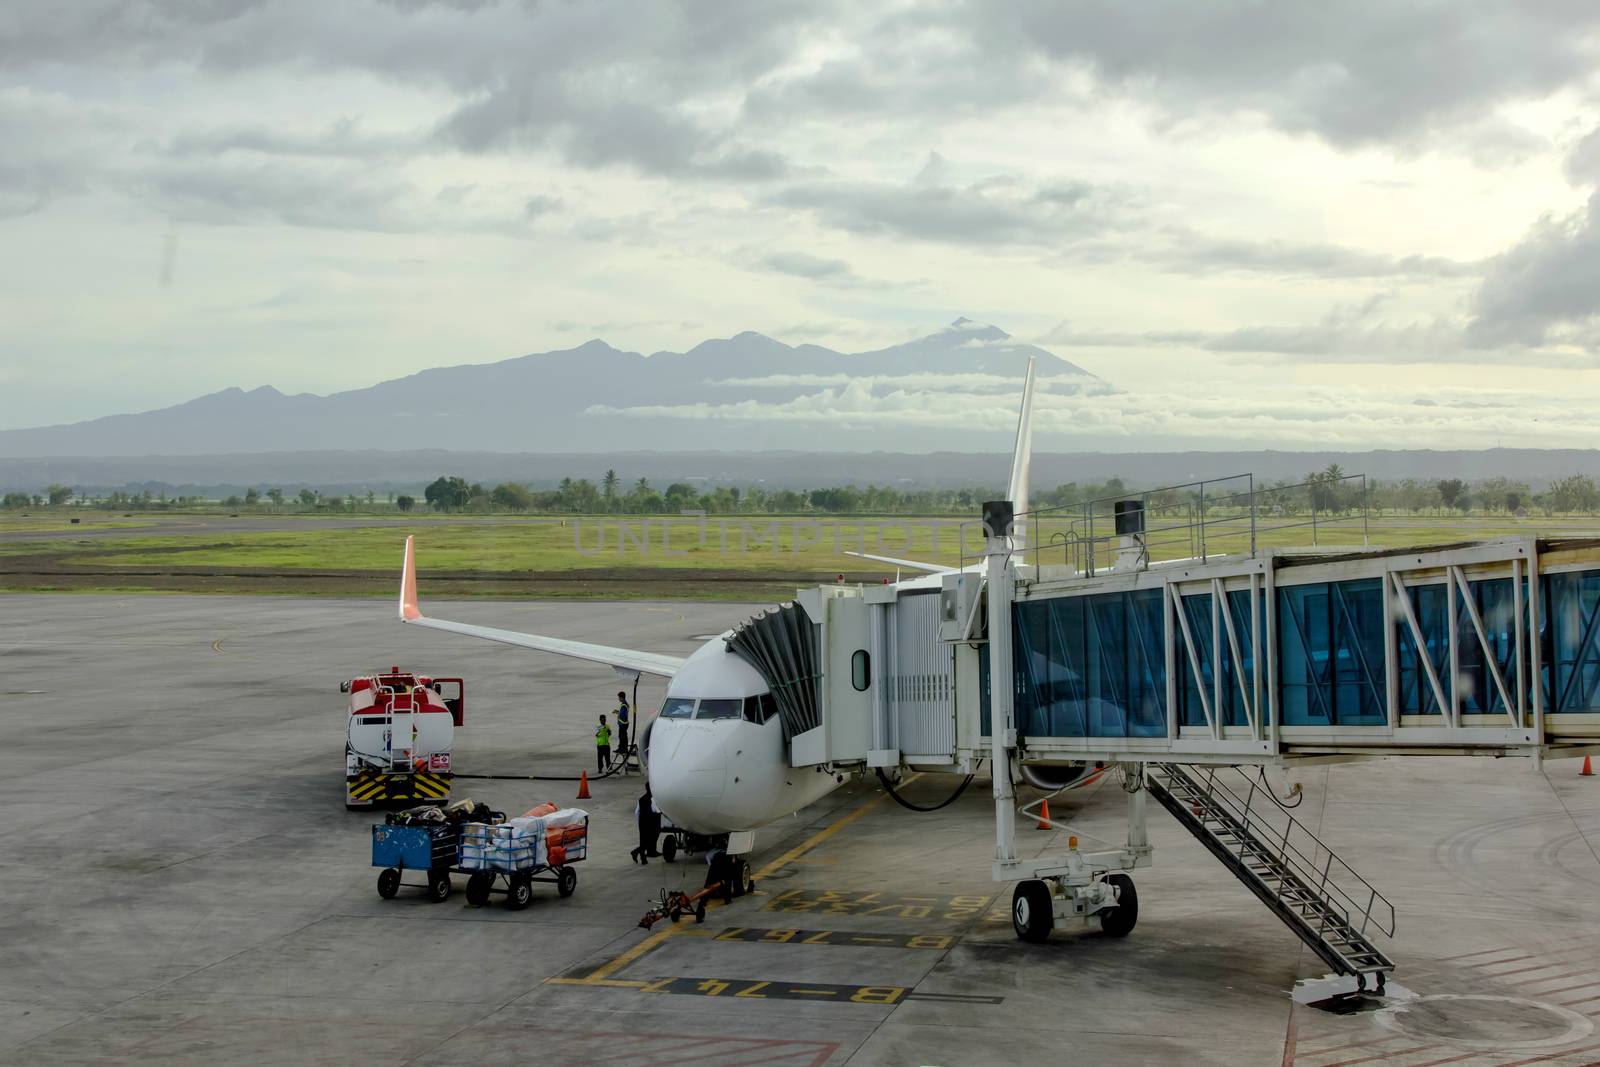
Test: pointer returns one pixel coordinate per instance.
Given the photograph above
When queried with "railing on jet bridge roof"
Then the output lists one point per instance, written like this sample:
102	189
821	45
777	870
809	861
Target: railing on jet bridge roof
1197	520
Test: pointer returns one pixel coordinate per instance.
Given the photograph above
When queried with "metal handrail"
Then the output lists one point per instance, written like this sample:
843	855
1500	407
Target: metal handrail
1206	517
1305	867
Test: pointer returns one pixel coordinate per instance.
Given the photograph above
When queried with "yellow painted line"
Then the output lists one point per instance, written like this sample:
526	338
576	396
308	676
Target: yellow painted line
610	983
601	974
216	646
820	836
606	970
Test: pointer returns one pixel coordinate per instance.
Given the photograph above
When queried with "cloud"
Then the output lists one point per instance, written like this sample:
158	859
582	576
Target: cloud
1546	288
1188	252
836	273
1347	333
690	88
48	141
1315	417
343	139
934	383
1583	162
597	133
1079	222
999	210
1354	73
803	265
535	206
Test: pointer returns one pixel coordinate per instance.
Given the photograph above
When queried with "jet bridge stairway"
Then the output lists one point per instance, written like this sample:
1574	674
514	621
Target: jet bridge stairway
1317	895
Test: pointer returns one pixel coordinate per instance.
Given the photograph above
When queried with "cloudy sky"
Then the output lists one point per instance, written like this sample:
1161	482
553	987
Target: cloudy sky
1370	222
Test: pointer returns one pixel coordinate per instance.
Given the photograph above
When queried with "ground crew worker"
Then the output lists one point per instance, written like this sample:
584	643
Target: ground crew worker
622	725
649	817
602	745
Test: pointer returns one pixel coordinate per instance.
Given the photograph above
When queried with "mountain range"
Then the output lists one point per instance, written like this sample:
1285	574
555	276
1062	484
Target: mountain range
596	398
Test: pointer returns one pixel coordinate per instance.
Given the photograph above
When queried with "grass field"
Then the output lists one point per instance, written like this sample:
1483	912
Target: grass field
736	557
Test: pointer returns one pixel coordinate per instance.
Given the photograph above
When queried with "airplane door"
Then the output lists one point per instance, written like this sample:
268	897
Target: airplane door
453	691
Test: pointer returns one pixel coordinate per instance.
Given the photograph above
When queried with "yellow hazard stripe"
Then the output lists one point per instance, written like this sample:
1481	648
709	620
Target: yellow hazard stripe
430	785
378	786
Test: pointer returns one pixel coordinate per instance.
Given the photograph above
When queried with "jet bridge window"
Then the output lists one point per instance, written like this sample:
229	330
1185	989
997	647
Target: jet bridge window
677	708
719	709
861	670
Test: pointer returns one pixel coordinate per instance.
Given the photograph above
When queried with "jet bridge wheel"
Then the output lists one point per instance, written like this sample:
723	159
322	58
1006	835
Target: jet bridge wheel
1032	912
1119	921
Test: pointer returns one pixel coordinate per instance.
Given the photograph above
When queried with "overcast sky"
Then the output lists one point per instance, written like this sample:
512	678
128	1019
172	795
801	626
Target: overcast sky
1266	224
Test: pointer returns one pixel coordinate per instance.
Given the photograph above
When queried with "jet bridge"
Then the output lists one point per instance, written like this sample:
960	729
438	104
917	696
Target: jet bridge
1175	651
1489	648
1164	667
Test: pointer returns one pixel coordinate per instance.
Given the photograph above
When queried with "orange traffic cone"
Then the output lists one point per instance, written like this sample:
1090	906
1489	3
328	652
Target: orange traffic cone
1044	816
583	786
1588	769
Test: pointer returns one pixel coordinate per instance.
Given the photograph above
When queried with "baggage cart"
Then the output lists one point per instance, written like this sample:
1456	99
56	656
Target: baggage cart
511	870
431	848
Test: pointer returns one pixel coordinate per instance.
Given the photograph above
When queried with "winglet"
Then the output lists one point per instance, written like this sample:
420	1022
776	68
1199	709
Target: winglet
1022	458
409	611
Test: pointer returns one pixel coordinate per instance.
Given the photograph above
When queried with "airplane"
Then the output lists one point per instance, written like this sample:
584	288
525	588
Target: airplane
716	758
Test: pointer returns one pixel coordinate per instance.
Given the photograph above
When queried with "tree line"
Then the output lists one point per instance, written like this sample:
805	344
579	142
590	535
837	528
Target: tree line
1328	491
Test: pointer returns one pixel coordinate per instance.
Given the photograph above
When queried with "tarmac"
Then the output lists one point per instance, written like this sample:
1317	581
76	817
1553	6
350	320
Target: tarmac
184	884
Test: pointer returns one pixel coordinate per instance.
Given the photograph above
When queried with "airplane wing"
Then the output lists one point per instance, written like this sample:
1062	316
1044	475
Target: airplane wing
623	659
909	564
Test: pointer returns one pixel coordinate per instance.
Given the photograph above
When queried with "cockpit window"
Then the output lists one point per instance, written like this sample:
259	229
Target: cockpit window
719	709
677	708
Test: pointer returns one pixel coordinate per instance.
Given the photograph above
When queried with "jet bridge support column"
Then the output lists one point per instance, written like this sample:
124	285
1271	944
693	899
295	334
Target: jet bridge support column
1138	833
997	519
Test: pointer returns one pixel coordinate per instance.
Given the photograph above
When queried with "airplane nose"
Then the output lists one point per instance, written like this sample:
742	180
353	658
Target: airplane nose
687	770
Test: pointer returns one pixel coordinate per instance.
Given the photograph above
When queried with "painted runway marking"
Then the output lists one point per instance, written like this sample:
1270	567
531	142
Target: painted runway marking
856	938
818	838
661	1050
832	902
600	975
216	646
955	998
882	995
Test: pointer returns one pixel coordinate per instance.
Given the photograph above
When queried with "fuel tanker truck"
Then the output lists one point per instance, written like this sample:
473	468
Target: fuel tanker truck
397	744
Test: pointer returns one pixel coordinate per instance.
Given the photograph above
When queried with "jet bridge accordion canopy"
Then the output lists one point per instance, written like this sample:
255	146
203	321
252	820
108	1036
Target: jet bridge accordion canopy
783	646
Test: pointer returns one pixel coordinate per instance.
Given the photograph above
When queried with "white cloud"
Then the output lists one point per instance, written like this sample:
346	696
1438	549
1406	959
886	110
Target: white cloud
951	383
1354	417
